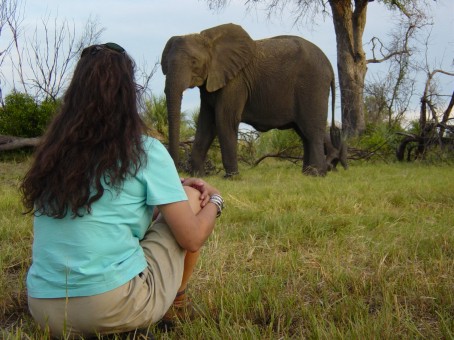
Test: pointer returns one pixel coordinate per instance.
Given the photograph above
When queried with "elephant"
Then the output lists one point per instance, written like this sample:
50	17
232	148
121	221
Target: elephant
280	82
335	153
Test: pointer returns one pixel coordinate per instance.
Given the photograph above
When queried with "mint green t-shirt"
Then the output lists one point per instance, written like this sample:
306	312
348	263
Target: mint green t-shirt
100	251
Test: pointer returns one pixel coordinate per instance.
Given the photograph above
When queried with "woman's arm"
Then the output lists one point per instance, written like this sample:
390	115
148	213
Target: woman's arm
192	221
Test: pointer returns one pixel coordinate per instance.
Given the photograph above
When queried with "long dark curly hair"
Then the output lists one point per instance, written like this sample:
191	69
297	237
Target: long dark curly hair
96	136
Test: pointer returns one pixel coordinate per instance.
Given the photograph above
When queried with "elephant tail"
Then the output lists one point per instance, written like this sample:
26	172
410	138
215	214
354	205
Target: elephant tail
334	131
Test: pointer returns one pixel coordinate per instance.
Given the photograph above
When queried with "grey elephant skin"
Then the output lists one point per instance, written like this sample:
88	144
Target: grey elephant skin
335	153
281	82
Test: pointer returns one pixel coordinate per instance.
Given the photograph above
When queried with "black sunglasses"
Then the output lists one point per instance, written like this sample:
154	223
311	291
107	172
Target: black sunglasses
110	46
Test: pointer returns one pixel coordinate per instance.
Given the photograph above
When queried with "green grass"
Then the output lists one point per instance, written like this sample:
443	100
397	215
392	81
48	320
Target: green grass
366	253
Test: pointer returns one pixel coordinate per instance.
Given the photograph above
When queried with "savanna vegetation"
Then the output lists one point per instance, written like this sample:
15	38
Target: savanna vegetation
365	253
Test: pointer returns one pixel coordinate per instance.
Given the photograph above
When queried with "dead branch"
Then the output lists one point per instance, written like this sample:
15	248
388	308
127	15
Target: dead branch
13	143
404	51
357	154
281	154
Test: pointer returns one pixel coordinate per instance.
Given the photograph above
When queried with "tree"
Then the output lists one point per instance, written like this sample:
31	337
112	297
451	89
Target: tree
10	16
22	116
433	128
40	64
387	96
43	62
349	19
429	102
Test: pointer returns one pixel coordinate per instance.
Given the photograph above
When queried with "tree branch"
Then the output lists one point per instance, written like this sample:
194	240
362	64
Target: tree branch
405	50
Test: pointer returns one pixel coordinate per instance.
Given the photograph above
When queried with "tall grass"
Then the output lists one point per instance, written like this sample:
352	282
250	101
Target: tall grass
365	253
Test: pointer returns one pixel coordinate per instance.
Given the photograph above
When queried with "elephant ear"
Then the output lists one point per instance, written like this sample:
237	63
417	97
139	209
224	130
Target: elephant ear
232	49
165	53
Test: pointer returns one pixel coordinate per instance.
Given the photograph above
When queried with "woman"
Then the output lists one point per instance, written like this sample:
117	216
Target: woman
98	266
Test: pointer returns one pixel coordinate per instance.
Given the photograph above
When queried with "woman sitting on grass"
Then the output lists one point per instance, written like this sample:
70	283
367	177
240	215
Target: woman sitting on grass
99	265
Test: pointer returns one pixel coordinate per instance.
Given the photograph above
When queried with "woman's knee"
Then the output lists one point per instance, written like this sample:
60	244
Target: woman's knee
193	198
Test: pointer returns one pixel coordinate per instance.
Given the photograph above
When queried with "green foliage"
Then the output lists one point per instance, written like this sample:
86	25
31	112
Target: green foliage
22	116
380	139
155	116
375	108
247	146
414	127
279	142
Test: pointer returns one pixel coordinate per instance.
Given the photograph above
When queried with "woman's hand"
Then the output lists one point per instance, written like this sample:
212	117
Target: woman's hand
205	189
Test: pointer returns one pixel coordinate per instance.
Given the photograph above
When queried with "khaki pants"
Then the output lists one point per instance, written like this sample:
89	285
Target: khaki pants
136	304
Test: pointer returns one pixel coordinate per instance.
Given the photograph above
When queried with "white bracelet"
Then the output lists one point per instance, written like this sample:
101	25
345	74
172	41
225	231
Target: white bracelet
219	202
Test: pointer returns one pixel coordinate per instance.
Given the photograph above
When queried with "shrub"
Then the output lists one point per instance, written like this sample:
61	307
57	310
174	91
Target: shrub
286	142
155	116
22	116
379	140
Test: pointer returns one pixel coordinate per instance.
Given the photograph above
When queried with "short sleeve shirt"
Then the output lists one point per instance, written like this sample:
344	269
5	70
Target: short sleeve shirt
100	251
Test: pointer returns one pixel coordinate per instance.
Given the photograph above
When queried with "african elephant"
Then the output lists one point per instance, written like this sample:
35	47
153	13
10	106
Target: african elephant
281	82
335	154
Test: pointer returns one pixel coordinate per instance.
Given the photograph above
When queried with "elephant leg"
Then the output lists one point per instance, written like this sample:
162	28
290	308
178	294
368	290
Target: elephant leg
314	160
228	141
330	153
316	165
334	163
343	156
229	108
317	156
204	136
306	163
306	151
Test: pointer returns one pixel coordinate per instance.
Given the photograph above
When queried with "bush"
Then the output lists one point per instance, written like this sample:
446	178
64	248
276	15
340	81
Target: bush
22	116
155	117
379	140
280	141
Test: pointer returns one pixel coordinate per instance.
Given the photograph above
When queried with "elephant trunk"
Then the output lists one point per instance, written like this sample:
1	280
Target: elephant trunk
174	94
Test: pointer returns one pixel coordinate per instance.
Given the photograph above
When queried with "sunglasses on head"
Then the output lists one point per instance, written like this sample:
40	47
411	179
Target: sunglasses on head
110	46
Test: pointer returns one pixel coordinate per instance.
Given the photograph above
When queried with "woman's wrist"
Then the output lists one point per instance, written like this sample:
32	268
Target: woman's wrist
218	201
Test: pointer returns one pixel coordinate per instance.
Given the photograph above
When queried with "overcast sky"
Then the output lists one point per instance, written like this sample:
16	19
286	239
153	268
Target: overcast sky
143	27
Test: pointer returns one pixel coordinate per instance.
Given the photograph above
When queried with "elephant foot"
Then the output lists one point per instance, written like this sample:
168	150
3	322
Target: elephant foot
313	171
198	173
231	174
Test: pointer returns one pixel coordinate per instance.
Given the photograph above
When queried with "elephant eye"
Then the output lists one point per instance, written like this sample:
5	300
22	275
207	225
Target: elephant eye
197	65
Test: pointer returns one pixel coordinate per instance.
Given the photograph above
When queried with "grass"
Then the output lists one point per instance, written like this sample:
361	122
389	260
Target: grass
366	253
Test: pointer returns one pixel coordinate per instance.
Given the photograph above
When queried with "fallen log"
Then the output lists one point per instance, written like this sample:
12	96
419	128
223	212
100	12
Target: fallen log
12	143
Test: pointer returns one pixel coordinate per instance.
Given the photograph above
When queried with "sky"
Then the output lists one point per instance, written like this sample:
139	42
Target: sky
143	27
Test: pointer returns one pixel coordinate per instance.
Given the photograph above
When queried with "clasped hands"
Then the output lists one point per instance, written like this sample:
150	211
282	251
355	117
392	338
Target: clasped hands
206	190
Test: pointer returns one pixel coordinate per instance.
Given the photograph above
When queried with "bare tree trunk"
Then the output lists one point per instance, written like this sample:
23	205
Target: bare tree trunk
448	110
351	62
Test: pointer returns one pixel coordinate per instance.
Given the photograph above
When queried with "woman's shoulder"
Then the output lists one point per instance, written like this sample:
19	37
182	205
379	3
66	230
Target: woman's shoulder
150	142
157	156
154	148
